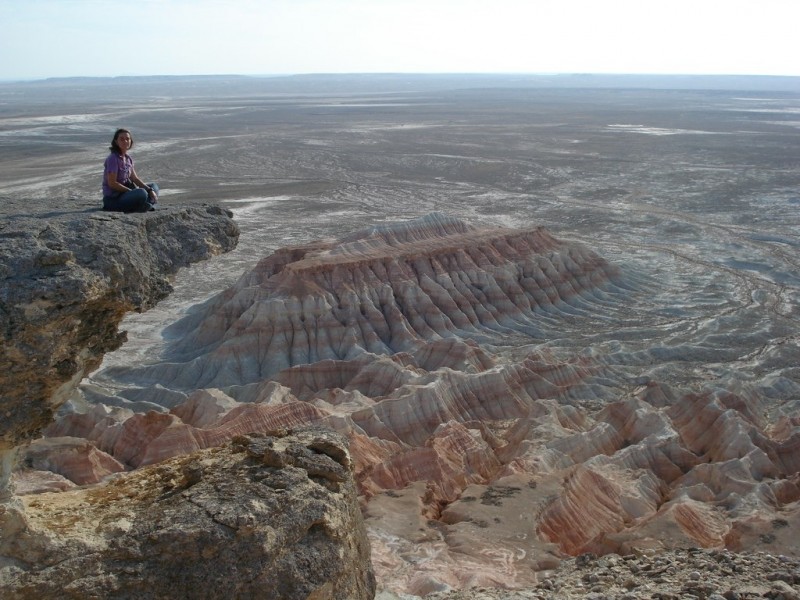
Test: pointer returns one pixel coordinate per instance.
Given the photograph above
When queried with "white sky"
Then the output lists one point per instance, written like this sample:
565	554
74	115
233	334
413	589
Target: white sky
59	38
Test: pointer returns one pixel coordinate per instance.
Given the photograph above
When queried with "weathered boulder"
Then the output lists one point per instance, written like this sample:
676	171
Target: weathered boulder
268	516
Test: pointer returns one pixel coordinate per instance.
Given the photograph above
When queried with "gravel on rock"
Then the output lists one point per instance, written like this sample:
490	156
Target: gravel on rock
690	574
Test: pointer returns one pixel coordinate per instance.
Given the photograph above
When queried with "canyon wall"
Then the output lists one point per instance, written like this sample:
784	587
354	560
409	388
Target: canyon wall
68	280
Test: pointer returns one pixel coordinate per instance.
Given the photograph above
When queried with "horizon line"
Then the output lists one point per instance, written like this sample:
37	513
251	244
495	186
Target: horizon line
401	73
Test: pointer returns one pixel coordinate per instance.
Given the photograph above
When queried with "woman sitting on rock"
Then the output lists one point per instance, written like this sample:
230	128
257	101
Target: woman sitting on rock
122	188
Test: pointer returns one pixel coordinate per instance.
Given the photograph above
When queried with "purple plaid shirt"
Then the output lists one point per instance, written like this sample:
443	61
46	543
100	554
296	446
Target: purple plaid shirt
119	164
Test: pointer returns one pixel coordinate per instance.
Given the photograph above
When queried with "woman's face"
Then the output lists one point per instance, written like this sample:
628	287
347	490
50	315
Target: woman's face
123	141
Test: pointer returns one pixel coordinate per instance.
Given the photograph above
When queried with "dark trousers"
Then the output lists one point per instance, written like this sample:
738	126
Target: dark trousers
135	200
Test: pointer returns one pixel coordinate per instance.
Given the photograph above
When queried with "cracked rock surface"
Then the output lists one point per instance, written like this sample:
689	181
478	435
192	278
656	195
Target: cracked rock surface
268	516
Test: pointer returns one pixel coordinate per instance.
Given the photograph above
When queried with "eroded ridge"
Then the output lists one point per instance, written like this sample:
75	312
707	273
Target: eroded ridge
387	290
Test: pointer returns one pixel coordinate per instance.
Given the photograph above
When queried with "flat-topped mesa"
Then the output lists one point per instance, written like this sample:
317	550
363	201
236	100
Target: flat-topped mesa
432	246
385	290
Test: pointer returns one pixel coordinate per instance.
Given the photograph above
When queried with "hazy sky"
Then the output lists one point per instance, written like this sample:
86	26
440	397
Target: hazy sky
55	38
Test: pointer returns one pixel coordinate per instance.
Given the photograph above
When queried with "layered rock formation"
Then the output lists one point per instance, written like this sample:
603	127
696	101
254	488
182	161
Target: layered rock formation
485	453
500	491
269	516
387	290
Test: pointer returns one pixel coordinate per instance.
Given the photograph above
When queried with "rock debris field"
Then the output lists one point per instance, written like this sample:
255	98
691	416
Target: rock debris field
670	575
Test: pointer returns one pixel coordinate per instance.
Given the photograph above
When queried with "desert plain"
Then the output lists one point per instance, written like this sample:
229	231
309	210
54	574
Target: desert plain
655	406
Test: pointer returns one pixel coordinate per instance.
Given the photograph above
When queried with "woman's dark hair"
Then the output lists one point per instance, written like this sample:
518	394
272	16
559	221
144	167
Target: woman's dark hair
114	147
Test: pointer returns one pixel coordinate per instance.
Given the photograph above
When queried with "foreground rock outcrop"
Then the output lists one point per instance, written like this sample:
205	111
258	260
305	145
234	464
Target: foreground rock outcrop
67	281
267	516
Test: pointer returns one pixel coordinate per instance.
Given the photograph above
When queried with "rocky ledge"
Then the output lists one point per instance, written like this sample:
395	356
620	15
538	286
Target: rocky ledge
68	279
266	516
